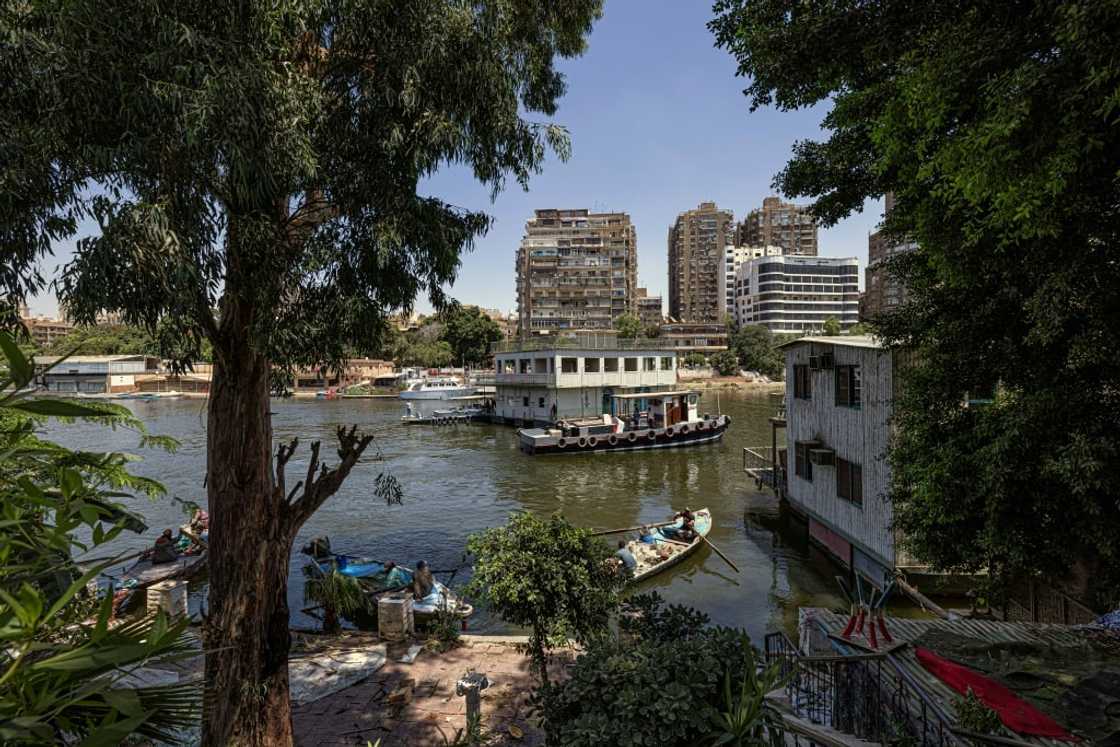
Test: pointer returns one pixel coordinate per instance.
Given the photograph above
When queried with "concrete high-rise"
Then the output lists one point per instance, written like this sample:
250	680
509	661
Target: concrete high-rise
576	271
782	224
882	291
696	262
649	309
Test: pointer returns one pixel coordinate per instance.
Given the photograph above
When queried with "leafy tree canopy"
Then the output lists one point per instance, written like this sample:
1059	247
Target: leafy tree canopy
997	128
831	327
756	348
725	362
628	325
469	332
694	359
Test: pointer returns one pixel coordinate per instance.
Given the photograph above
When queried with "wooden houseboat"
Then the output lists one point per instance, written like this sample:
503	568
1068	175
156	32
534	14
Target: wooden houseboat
642	420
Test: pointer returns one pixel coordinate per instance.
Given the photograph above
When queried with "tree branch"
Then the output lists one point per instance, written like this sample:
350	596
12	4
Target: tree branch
323	482
283	454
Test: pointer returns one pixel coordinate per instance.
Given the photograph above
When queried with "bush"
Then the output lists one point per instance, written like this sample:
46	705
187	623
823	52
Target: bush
677	682
725	363
695	360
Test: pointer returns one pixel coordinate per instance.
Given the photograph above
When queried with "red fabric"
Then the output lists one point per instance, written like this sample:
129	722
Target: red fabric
1015	713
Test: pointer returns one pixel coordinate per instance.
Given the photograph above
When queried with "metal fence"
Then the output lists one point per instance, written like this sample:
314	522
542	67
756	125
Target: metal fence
580	342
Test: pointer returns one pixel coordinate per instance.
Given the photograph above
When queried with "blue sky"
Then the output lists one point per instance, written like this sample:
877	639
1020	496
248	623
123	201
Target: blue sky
658	124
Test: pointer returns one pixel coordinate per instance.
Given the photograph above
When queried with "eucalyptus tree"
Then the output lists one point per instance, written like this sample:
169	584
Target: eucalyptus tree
256	173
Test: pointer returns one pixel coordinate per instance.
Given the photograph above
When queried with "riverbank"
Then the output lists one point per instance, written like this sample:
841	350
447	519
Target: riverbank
737	383
414	702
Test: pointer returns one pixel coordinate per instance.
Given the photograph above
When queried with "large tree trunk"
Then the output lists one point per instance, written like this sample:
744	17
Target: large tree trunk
251	533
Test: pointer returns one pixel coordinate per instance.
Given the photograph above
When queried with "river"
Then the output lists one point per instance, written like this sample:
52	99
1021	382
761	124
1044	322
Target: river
463	478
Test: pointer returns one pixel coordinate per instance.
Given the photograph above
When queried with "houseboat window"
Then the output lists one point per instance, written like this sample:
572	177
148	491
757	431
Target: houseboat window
591	365
610	365
540	402
649	364
849	481
569	365
540	365
525	365
802	384
631	364
848	387
509	366
802	467
667	363
524	401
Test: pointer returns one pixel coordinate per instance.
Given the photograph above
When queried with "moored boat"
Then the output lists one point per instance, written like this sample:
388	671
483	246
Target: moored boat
440	387
658	551
659	420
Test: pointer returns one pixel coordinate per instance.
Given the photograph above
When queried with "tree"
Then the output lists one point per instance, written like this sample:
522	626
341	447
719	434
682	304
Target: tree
831	327
653	330
63	665
548	576
756	348
725	362
695	360
859	328
628	326
254	171
994	127
469	332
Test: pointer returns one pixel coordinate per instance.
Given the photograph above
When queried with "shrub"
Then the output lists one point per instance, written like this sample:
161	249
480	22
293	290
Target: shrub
725	363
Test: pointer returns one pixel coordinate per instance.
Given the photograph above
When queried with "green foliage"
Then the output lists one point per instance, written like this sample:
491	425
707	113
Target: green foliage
725	362
469	332
757	350
653	330
695	360
546	575
859	328
666	683
444	629
745	717
628	326
338	595
831	327
62	673
974	716
994	126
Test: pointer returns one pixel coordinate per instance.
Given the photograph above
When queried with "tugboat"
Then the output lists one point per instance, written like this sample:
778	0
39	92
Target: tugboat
659	420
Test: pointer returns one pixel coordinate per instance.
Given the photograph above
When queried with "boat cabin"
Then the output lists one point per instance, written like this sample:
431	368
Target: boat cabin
641	410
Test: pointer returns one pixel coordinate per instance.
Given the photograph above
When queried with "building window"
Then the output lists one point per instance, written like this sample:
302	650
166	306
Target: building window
649	364
525	365
569	365
848	388
802	467
802	384
610	365
509	366
849	481
591	365
524	401
540	402
667	363
540	365
631	364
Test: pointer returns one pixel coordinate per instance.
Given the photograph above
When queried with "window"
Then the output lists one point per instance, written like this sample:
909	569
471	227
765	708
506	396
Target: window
848	387
667	363
569	365
591	365
509	366
525	365
610	365
649	364
540	402
802	384
524	401
631	364
802	467
849	481
540	365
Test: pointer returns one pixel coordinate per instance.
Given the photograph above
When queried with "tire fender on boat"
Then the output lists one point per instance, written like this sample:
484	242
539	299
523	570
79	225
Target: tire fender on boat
652	435
612	439
727	420
631	436
683	429
582	442
592	441
562	443
669	432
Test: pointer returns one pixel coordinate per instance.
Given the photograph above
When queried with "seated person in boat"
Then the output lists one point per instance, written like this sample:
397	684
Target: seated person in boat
422	581
628	560
164	549
686	532
200	522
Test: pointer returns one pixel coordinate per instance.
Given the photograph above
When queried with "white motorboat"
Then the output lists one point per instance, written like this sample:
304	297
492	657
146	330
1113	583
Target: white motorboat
440	387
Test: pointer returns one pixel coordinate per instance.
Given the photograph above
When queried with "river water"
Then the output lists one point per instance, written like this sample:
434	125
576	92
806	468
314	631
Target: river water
461	479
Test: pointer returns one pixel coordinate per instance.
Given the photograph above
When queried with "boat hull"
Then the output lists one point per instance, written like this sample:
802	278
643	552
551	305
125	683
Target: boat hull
531	442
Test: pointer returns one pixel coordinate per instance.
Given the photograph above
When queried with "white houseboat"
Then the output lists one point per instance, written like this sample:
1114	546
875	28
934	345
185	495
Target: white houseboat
641	420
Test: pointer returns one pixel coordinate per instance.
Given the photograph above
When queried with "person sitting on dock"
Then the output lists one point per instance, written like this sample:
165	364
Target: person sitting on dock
422	581
628	560
164	549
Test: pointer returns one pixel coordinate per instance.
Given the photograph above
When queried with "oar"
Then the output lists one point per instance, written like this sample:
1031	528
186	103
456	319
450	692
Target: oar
720	553
633	529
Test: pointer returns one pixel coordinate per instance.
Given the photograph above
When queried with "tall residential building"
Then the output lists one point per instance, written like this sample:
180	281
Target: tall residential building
696	259
649	308
576	270
883	292
734	256
797	294
782	224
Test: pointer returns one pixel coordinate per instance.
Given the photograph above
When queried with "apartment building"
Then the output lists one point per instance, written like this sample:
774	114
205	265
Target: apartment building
734	256
797	294
782	224
576	270
45	330
649	309
697	242
694	337
882	291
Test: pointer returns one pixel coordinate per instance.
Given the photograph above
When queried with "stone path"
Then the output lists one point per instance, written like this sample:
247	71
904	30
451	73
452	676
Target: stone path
416	705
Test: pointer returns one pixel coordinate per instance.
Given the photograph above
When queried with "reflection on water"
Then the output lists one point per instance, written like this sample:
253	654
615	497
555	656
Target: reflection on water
463	478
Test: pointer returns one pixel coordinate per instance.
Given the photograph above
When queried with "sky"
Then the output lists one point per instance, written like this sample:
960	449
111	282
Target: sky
658	124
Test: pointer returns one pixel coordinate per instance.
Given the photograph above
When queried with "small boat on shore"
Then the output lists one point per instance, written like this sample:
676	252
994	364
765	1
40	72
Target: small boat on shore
662	552
660	420
378	577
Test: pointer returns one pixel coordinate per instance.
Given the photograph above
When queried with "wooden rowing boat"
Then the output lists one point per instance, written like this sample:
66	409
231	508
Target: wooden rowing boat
376	579
664	553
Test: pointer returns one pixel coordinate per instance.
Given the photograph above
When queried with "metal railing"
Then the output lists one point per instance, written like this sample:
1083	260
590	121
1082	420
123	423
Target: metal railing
579	342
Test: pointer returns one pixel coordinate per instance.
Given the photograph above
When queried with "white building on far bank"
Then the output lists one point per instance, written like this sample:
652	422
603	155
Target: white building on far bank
796	294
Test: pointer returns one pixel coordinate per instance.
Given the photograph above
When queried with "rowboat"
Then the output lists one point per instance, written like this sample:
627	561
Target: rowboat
657	552
377	577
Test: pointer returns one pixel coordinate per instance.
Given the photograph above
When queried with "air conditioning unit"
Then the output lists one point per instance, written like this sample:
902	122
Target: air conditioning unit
827	361
822	457
814	363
